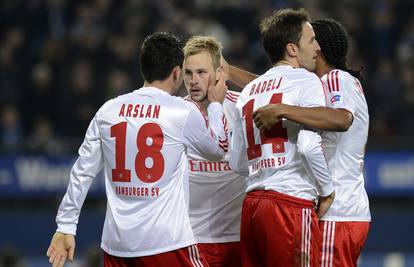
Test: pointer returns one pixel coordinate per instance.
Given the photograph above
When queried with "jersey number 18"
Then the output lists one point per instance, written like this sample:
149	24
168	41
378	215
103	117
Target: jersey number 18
150	140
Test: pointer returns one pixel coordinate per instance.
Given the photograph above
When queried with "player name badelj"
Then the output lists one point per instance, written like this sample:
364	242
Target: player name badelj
139	111
266	86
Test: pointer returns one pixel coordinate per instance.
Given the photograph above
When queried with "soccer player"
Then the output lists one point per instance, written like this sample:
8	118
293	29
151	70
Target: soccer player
141	139
216	192
286	164
346	225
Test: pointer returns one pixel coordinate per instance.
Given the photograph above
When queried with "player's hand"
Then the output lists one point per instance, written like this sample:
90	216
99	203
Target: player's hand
61	247
217	89
226	67
324	203
267	116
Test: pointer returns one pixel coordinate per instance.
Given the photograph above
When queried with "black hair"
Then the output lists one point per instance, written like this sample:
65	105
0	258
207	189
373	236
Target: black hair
283	27
333	40
160	53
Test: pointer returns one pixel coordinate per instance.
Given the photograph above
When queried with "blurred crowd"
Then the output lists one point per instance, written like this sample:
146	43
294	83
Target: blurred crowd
60	60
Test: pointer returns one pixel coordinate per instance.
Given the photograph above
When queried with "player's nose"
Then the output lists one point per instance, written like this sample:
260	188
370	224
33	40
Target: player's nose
317	47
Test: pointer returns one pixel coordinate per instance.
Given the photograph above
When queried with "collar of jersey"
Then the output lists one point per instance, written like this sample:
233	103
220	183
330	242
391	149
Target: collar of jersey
152	89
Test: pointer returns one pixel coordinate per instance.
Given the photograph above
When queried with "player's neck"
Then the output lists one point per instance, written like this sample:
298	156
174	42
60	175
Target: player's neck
284	62
203	105
322	69
162	85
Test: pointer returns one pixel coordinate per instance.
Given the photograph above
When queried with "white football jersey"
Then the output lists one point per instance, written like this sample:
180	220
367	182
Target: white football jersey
141	139
345	150
216	191
287	158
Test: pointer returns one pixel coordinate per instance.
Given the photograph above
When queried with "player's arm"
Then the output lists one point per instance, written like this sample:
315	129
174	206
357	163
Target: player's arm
206	138
338	117
86	167
238	151
209	138
309	145
61	247
310	150
236	75
323	118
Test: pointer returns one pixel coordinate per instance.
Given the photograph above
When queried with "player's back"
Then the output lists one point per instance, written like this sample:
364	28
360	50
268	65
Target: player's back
274	158
144	152
345	150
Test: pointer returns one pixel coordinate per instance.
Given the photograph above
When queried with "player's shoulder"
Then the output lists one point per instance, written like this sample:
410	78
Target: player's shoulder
305	80
232	96
305	75
301	78
338	80
191	104
114	101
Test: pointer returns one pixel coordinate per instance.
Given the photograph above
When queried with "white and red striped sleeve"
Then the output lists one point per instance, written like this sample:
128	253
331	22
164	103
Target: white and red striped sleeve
340	86
203	138
232	96
238	155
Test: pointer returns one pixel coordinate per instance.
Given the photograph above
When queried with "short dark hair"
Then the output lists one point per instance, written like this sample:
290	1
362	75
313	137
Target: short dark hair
283	27
332	37
160	53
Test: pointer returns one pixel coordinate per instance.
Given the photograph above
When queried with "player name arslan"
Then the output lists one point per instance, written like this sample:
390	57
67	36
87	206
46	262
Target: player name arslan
140	111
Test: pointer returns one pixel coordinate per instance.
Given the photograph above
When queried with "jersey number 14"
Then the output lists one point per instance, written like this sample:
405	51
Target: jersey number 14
277	135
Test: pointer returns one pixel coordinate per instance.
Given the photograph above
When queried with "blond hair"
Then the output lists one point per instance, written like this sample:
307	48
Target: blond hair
198	44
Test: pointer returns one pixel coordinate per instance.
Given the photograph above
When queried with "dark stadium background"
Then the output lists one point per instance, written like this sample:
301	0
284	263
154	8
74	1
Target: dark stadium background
61	59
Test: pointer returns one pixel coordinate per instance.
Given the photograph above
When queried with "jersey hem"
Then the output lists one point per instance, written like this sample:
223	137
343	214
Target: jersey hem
134	254
207	240
346	219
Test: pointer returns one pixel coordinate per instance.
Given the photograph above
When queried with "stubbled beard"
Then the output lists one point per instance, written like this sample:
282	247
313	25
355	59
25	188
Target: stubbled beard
202	99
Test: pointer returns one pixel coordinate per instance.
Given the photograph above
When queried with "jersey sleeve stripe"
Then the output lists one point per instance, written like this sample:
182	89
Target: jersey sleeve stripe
331	81
232	96
224	148
187	98
328	81
231	99
234	93
359	87
337	80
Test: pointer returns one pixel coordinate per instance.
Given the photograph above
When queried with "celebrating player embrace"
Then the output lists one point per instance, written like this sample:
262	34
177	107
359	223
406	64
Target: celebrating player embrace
145	163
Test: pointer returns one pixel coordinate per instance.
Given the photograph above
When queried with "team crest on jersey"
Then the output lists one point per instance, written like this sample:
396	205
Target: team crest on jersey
335	98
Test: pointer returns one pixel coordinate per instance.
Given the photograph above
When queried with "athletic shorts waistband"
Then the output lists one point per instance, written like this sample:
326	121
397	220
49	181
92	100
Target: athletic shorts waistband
269	194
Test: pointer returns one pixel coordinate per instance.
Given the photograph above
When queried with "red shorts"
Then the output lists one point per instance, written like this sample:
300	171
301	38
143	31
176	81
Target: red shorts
221	254
188	256
279	230
342	242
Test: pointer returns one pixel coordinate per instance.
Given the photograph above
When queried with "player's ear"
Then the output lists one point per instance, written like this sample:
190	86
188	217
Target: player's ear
176	73
219	74
291	50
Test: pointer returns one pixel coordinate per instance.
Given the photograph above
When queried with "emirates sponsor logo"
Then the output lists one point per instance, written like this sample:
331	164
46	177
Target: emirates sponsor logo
209	166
